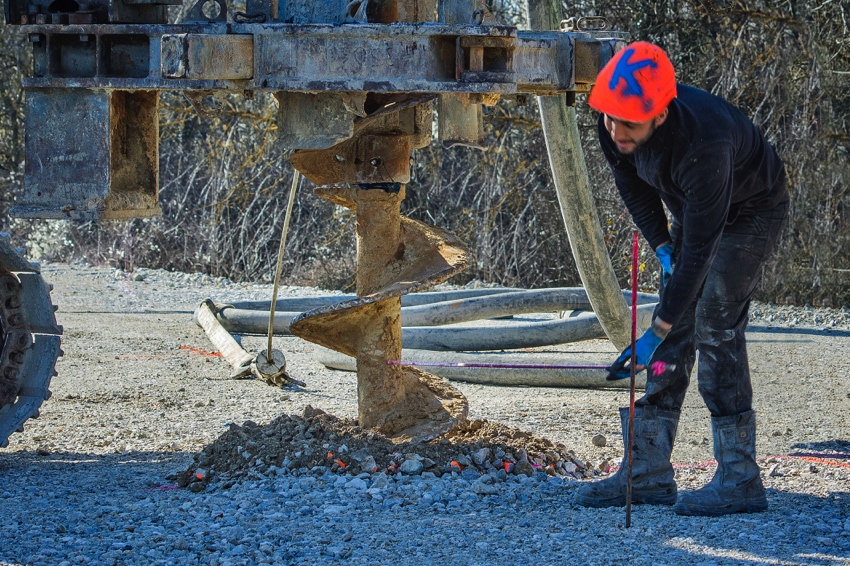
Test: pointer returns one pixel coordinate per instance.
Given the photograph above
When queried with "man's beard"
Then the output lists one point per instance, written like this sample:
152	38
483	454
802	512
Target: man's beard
634	144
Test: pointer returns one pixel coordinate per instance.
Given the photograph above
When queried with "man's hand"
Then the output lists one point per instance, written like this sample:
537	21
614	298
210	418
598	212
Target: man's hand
664	253
645	346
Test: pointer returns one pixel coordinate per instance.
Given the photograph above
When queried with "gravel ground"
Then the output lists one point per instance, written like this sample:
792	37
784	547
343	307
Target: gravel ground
94	480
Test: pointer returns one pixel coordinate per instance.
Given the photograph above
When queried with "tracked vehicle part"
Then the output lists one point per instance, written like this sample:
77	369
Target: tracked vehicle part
30	341
395	256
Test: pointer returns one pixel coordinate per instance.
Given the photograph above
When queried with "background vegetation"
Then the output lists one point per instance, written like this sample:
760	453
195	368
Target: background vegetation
224	180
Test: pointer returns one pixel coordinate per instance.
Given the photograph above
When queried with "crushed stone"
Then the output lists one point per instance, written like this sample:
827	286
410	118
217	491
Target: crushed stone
317	442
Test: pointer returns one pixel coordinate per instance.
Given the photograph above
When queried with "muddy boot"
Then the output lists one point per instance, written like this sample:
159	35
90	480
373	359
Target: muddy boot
652	473
736	486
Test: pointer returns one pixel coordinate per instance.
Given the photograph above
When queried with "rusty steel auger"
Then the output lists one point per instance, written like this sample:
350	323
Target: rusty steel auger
395	256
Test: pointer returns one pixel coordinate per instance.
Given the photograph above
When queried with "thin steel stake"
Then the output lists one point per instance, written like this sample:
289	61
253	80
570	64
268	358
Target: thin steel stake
489	365
632	380
296	177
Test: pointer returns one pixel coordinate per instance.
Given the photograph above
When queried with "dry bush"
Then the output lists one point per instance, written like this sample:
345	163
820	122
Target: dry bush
787	66
15	57
224	188
225	179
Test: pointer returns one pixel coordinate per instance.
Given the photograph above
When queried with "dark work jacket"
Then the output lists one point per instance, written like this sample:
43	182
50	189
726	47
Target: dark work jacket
708	164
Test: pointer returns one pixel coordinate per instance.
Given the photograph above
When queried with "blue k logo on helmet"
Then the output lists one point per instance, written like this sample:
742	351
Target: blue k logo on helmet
636	84
625	71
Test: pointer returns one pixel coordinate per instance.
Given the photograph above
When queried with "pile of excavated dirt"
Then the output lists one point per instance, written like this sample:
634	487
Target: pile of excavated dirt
317	442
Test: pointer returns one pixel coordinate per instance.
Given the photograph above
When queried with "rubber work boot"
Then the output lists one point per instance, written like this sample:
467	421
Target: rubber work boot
652	472
736	486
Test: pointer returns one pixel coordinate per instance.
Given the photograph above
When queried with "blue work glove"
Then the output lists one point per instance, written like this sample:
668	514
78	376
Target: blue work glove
645	346
665	258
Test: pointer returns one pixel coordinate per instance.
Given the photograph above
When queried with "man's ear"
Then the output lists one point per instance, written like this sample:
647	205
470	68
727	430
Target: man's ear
661	117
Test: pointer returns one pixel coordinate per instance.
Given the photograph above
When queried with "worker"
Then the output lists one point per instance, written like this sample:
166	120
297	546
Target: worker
677	147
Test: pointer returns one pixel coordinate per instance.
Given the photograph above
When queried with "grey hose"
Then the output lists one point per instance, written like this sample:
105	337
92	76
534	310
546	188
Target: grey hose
424	326
578	208
251	317
504	304
585	326
239	359
420	309
550	377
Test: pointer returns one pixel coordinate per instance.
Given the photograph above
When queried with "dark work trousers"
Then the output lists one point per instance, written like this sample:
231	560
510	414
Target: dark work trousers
715	323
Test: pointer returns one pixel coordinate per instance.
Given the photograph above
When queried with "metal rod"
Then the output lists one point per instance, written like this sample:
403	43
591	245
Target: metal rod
632	379
296	177
484	365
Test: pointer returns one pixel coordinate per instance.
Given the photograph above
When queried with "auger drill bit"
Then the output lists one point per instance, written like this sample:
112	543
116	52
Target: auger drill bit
395	256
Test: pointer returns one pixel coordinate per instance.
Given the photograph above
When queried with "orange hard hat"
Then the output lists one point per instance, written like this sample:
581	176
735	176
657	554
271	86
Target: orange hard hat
636	84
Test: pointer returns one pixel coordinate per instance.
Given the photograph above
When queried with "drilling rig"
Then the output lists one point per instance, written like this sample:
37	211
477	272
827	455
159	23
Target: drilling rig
357	83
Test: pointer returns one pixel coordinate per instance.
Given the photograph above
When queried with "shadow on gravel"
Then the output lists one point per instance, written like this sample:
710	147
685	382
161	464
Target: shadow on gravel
149	468
127	311
806	331
831	448
797	529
